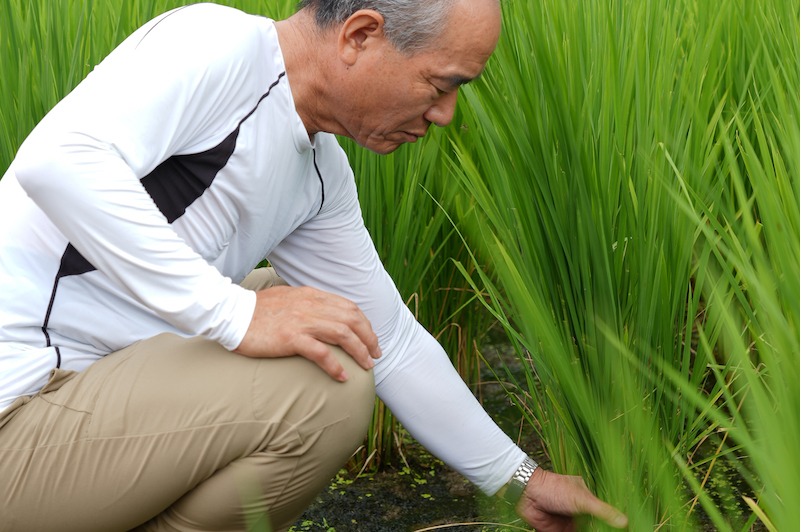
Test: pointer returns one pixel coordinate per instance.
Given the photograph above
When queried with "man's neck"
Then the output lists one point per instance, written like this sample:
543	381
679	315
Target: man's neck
304	51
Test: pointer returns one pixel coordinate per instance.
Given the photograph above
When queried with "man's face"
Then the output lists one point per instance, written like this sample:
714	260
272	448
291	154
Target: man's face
398	97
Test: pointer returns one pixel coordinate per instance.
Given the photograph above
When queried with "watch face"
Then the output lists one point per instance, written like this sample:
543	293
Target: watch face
513	492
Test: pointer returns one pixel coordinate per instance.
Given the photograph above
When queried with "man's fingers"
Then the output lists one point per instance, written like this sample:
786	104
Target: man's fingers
321	355
607	513
336	333
360	326
341	322
355	336
588	503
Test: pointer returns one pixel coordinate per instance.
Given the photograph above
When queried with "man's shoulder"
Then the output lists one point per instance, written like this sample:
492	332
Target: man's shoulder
205	15
206	30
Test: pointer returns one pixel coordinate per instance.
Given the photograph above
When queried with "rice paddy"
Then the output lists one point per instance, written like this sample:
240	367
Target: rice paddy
618	192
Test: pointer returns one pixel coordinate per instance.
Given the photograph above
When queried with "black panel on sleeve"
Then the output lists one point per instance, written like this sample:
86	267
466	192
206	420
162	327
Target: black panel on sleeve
180	180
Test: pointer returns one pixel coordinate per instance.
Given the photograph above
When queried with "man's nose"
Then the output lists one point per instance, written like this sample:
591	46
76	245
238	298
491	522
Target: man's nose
441	112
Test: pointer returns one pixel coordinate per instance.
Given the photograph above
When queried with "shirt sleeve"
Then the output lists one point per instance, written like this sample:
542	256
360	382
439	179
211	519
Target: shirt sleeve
414	377
179	84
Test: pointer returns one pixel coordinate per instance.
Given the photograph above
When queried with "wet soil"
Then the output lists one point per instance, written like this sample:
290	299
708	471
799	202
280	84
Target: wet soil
428	494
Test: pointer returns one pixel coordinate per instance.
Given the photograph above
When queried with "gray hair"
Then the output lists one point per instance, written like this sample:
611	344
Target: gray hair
410	25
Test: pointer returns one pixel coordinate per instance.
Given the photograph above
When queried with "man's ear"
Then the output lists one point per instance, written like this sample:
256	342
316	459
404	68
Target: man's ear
357	32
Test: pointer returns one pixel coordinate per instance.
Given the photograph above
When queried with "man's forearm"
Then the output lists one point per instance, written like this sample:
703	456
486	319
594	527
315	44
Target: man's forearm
431	400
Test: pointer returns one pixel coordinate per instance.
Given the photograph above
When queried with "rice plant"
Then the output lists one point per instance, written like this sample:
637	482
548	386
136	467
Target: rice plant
624	155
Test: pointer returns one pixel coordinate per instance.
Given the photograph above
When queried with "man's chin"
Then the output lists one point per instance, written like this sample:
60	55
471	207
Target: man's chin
383	148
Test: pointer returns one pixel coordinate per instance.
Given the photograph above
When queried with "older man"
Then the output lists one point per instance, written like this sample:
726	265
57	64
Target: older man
145	379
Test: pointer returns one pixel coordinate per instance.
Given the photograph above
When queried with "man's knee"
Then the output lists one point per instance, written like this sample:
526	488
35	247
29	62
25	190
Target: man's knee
360	385
262	278
323	401
358	393
339	429
319	423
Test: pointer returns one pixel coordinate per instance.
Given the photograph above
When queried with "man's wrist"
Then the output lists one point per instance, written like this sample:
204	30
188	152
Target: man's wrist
512	491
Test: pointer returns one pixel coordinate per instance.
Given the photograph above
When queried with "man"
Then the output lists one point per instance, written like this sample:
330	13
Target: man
140	386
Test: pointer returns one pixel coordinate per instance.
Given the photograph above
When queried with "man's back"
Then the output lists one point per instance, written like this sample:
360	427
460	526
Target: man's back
239	176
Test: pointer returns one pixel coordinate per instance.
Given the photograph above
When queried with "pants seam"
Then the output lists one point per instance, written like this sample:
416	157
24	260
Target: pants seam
59	405
136	436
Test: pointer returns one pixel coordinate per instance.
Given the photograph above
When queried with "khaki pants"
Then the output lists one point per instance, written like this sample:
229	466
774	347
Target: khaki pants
179	434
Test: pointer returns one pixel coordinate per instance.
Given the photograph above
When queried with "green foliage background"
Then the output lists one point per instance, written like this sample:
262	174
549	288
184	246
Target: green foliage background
635	165
624	176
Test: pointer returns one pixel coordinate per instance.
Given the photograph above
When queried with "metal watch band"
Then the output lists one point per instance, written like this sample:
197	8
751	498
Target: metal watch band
519	481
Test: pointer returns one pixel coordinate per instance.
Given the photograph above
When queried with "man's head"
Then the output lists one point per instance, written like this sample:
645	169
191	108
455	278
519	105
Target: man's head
390	68
410	25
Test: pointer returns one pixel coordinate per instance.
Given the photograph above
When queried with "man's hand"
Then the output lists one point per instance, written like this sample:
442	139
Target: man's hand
550	501
301	321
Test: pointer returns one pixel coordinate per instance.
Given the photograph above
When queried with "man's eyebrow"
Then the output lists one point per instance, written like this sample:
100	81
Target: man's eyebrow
456	81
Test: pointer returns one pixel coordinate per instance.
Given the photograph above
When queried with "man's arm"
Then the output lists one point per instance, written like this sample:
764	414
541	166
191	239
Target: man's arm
164	90
416	380
333	252
180	84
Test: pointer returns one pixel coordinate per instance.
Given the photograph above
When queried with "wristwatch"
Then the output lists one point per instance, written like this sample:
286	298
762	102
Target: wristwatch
518	482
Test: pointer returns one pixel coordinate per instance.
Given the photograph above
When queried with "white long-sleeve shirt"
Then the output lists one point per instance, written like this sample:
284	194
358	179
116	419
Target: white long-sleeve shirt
175	167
